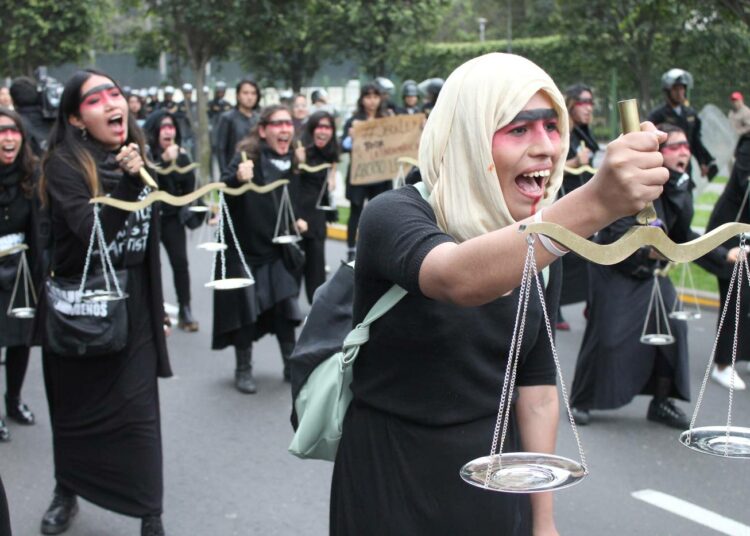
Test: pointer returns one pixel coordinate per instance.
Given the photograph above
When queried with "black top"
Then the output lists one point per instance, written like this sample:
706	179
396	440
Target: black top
427	361
254	215
133	238
308	192
232	127
176	183
15	207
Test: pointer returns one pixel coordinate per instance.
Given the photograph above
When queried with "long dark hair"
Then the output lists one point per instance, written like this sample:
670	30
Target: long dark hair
331	151
253	83
252	142
66	141
669	128
151	129
382	110
28	161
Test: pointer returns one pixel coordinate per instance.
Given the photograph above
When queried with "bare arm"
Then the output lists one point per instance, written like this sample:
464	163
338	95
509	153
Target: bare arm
537	411
484	268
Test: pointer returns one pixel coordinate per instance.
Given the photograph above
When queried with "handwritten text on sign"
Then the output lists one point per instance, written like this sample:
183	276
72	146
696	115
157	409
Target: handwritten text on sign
378	143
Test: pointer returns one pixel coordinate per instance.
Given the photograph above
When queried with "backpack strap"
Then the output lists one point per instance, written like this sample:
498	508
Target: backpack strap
361	333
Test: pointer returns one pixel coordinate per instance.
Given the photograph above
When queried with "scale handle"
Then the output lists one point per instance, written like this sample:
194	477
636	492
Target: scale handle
630	122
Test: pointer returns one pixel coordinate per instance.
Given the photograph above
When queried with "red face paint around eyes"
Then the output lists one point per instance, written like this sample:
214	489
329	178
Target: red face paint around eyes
101	98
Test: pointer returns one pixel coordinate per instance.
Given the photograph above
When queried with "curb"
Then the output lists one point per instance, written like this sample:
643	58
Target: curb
336	231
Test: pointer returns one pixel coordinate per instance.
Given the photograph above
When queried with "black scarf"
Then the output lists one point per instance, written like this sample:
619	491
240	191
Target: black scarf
273	165
10	179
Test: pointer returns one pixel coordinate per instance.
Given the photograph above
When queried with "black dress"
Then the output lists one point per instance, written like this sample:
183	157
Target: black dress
16	227
308	193
105	410
243	316
729	208
613	365
426	391
575	286
4	514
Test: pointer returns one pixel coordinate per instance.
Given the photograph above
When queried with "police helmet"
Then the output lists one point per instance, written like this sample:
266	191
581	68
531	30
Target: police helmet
431	87
153	91
675	77
409	89
221	85
169	90
318	95
384	85
187	88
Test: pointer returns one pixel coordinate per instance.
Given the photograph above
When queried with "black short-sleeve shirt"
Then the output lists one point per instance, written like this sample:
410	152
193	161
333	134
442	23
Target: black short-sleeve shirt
433	362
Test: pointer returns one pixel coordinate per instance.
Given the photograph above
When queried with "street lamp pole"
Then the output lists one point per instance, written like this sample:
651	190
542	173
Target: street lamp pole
510	27
482	23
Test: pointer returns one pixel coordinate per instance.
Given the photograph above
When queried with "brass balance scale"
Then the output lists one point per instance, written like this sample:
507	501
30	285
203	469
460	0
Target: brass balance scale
532	472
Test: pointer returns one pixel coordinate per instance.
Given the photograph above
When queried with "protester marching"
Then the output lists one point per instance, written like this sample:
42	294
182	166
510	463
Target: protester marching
483	216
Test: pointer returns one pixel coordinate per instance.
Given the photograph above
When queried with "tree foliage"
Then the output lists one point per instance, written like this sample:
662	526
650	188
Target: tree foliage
47	32
199	31
288	40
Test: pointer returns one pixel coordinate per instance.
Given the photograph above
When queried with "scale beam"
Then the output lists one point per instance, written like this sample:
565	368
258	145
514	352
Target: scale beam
636	238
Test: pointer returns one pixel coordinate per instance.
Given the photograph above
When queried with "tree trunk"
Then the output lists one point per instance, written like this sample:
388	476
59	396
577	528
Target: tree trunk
204	143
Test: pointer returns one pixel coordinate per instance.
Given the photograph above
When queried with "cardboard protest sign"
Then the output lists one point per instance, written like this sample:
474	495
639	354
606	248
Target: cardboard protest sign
378	143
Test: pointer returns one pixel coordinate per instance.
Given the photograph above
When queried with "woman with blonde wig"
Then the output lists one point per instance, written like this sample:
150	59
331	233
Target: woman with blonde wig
426	386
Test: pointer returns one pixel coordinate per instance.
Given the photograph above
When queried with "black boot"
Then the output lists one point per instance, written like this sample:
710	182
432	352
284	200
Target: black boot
60	513
665	411
581	416
152	526
18	411
185	320
286	351
4	432
243	375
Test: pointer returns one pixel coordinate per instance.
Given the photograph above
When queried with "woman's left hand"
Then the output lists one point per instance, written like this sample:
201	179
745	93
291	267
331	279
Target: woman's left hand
130	159
301	225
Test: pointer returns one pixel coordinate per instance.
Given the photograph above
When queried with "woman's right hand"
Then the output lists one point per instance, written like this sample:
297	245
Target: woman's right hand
245	171
632	173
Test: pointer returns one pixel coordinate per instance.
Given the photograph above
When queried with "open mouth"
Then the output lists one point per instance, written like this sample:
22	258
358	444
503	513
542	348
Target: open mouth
681	165
8	151
531	183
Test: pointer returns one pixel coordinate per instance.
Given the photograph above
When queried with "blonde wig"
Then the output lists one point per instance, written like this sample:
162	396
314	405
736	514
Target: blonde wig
455	154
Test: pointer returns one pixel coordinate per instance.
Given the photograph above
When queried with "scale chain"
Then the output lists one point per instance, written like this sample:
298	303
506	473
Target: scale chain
743	266
241	255
216	239
506	379
563	388
89	253
716	342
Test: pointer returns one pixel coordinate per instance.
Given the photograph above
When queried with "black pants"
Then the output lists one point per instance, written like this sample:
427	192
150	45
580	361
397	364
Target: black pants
16	362
174	240
4	514
315	265
357	196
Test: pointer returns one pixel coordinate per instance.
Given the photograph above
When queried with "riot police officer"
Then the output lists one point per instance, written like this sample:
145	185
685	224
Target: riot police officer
677	111
410	98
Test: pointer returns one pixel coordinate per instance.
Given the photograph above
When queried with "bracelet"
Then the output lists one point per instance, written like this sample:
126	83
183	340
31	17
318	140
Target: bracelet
548	244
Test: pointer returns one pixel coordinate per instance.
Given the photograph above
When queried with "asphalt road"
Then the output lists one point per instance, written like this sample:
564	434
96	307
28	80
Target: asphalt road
227	471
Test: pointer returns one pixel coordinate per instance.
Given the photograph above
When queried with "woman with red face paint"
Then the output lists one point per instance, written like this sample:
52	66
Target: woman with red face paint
607	375
164	137
18	225
104	410
243	316
320	147
426	385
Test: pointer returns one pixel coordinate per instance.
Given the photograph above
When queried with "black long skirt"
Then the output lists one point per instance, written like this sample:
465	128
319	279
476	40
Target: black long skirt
613	365
726	337
244	315
393	476
4	514
106	428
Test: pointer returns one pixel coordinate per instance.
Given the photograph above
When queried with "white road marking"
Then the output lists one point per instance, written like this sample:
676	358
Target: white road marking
693	512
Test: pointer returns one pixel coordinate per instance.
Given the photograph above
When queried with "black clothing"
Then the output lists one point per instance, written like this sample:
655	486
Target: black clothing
607	376
105	411
17	226
183	118
425	390
308	193
687	119
231	128
16	363
4	514
575	273
270	305
729	208
408	110
175	242
357	195
37	126
216	107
